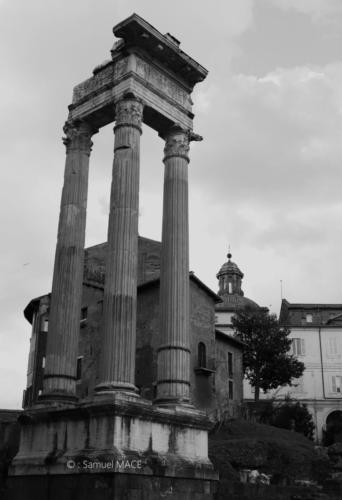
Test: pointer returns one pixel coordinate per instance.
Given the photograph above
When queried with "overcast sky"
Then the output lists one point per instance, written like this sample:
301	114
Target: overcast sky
266	179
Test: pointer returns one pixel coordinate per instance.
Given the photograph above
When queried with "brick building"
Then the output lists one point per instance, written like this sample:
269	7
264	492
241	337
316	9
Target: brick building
216	358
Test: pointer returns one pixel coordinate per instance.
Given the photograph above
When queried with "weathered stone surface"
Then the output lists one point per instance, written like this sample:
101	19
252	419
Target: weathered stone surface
66	441
120	291
173	379
165	97
171	444
62	343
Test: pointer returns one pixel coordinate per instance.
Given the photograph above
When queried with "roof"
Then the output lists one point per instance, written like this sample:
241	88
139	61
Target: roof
291	314
34	303
229	338
234	302
334	319
193	278
304	305
136	32
230	267
9	416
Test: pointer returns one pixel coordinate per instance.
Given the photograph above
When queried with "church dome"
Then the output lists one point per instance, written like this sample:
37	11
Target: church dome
236	302
230	278
229	267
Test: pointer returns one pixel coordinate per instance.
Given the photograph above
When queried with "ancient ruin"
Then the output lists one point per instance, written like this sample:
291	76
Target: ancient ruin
119	445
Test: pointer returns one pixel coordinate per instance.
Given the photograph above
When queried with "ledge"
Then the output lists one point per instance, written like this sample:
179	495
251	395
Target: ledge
118	405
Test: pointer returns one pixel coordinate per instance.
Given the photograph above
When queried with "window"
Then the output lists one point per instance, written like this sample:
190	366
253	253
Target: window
230	287
230	390
308	318
298	347
43	362
336	383
332	347
84	313
79	368
45	324
154	387
202	361
230	364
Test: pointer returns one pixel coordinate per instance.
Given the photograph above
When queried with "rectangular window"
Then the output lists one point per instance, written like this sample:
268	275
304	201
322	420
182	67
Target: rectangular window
230	364
43	362
84	313
230	390
336	383
298	347
79	368
332	347
45	324
309	318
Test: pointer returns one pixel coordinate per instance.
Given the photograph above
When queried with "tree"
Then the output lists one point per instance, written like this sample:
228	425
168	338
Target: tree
295	416
266	360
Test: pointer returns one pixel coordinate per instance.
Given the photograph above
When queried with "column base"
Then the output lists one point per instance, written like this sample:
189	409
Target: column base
108	391
57	397
119	450
173	402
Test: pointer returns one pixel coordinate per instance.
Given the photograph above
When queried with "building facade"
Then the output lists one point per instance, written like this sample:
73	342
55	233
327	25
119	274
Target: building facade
316	333
216	358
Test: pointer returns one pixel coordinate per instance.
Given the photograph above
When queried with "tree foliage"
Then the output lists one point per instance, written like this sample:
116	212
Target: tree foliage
294	416
266	359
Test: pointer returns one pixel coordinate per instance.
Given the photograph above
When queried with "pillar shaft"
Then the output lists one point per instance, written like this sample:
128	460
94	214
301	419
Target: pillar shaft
64	317
120	291
173	384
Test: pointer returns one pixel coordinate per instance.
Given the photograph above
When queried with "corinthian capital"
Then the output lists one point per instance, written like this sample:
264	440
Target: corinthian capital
129	112
177	143
78	136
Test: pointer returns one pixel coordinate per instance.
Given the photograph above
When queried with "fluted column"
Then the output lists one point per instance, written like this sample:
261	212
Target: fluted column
120	291
64	317
173	381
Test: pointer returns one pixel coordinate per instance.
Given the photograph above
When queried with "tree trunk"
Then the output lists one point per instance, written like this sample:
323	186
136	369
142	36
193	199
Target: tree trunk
257	387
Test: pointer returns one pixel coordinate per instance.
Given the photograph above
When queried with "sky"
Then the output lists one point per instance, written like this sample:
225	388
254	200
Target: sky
265	180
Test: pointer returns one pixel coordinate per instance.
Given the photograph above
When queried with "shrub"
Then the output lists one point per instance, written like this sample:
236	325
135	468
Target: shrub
294	416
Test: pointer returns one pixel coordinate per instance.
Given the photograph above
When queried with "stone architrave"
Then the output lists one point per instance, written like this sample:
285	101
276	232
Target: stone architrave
120	290
64	317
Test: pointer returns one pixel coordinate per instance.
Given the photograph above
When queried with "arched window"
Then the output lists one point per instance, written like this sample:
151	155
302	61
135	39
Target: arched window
202	355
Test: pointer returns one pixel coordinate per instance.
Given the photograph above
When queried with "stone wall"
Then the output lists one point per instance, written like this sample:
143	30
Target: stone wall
201	330
226	407
9	441
205	385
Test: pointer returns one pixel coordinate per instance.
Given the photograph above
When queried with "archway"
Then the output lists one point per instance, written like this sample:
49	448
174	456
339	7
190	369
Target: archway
333	432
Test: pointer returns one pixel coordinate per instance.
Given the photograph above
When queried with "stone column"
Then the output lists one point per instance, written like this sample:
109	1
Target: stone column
173	379
120	291
64	317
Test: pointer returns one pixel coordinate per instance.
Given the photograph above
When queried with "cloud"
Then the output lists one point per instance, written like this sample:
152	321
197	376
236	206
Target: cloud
266	178
276	138
318	10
